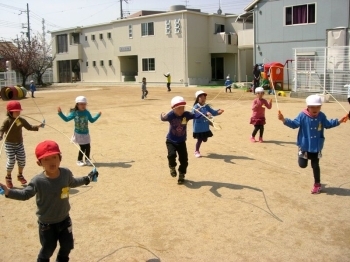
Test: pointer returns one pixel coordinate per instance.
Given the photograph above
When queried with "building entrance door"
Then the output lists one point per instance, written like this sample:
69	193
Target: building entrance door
217	68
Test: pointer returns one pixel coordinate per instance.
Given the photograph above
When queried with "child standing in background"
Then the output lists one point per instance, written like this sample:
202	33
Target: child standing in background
32	88
258	116
81	136
144	88
201	130
14	141
168	81
51	188
228	84
177	135
311	123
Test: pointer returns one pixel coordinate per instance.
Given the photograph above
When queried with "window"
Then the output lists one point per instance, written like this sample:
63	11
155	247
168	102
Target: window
101	36
147	29
219	28
86	38
93	37
62	43
177	26
101	63
110	62
130	31
167	27
93	63
75	38
148	64
229	40
300	14
87	64
109	35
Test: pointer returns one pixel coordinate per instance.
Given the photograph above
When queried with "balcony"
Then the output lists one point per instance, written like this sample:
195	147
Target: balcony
223	43
246	39
75	51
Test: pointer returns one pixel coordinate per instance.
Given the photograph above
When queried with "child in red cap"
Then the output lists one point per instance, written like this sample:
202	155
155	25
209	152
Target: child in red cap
176	138
14	141
51	188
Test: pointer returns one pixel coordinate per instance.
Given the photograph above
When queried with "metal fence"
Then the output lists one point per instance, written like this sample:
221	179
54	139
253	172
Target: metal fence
322	69
11	78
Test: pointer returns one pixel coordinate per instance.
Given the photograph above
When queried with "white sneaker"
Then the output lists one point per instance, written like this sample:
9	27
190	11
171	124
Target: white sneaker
88	162
80	163
197	154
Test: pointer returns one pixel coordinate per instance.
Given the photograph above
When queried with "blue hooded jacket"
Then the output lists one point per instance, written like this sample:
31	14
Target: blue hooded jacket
200	123
311	130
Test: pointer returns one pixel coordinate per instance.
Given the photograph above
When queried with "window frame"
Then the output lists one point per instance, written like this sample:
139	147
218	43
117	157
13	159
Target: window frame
94	63
131	31
87	63
146	31
101	36
61	49
109	35
93	37
222	26
102	63
307	12
110	62
86	38
148	64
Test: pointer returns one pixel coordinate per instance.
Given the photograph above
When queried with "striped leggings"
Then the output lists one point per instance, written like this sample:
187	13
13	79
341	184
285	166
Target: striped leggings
15	152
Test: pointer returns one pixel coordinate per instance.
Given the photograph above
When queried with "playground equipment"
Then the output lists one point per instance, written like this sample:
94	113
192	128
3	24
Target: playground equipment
13	92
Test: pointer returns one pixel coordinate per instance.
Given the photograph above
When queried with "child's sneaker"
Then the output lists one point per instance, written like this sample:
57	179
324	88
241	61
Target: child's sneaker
181	179
252	139
21	179
88	162
261	140
9	182
316	189
197	154
80	163
173	172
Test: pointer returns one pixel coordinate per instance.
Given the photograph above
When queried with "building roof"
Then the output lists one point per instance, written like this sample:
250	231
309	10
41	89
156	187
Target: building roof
251	5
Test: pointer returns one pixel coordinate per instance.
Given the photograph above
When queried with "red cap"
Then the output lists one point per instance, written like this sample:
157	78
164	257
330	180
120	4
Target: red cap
13	106
47	148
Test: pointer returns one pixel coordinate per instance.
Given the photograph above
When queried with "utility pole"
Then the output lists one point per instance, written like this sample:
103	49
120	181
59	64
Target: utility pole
28	27
121	8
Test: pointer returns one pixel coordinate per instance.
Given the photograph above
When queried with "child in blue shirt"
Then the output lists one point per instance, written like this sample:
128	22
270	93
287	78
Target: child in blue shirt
32	88
311	123
228	84
177	135
81	136
201	130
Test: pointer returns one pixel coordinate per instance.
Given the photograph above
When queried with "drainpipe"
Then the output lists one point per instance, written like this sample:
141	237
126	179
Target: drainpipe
185	49
255	24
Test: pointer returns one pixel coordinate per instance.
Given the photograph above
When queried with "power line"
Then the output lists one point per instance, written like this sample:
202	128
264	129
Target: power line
95	13
12	7
79	8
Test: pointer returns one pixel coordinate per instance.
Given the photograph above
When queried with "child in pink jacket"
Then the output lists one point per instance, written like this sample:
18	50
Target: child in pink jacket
258	116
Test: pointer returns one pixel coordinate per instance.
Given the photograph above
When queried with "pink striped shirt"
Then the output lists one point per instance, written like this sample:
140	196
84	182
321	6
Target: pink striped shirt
258	107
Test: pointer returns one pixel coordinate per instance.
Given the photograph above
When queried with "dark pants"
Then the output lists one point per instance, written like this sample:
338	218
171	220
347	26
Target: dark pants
168	86
144	93
349	100
228	88
86	149
256	84
181	150
256	129
33	93
315	164
49	235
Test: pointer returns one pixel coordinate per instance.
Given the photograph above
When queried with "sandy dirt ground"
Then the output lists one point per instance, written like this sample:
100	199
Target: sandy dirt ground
241	201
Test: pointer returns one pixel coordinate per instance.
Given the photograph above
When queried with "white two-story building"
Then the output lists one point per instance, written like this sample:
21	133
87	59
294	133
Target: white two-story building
194	47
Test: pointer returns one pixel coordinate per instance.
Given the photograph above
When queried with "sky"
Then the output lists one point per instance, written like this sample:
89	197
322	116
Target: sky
59	14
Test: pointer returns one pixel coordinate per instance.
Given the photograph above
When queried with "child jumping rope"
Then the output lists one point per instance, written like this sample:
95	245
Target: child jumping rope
51	188
144	88
201	130
258	116
177	135
81	136
311	123
14	141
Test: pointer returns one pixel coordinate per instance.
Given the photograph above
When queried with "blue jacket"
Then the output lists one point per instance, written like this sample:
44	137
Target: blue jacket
311	130
228	82
200	123
178	126
32	87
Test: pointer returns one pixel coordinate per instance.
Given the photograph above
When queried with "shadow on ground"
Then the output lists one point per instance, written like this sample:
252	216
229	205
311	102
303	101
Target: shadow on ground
127	164
227	158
